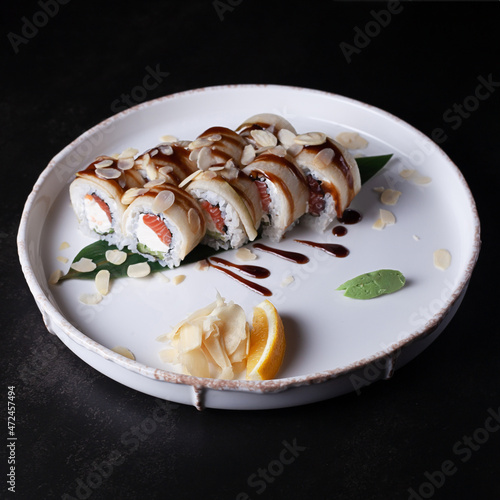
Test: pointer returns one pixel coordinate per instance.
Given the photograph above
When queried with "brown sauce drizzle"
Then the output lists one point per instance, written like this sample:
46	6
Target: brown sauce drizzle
339	231
298	258
331	248
262	290
254	271
350	216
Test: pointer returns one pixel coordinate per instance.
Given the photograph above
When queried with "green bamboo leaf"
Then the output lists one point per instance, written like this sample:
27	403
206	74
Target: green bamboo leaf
368	167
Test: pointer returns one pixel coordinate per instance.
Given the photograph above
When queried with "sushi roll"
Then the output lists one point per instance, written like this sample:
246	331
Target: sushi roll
265	121
169	162
332	175
283	190
95	195
231	206
164	224
216	146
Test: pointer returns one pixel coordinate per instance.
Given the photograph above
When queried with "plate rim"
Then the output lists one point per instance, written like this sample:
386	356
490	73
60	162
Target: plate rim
50	312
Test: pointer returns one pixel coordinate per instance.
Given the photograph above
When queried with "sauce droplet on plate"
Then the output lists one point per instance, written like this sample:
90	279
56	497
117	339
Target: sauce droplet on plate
331	248
296	257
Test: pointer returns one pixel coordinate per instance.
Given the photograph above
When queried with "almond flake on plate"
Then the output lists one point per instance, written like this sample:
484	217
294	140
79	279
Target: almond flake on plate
127	353
287	281
84	265
90	299
351	140
128	153
62	259
55	277
390	196
102	281
177	280
140	270
64	245
168	138
387	217
407	173
286	137
245	254
442	259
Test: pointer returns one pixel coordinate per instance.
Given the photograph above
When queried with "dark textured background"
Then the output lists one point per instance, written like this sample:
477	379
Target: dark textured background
68	76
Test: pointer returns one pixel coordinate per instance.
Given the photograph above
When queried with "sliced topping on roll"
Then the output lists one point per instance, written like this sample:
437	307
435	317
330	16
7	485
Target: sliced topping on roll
168	162
221	143
265	121
165	224
231	207
283	192
333	178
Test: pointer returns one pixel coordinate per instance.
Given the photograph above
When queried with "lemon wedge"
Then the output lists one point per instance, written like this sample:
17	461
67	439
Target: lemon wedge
267	343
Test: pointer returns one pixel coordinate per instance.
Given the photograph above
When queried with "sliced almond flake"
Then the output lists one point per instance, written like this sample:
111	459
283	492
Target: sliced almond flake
264	139
387	217
165	171
421	180
128	153
295	149
208	174
442	259
199	143
378	224
104	163
163	201
168	138
55	277
116	257
163	277
64	245
286	137
202	265
177	280
193	220
84	265
379	189
127	353
154	152
193	156
245	254
310	139
324	158
151	170
248	155
102	281
90	299
140	270
278	151
230	172
217	168
287	281
107	173
131	194
416	237
206	159
189	178
407	173
351	140
62	259
125	163
390	196
214	137
156	182
166	150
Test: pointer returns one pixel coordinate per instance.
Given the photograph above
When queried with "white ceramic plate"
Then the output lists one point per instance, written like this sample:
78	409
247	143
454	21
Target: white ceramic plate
335	344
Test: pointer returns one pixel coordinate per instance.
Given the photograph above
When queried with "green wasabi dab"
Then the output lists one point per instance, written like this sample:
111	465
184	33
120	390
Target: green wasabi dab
374	284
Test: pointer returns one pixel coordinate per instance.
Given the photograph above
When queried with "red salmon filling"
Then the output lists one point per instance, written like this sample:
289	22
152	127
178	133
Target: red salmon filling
316	196
102	204
265	198
215	214
158	226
